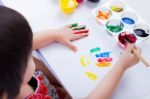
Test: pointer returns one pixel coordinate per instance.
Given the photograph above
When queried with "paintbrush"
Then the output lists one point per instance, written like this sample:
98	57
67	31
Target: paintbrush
146	63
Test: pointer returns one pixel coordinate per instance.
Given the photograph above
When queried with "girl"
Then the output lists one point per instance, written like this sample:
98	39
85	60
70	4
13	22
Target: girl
17	66
18	78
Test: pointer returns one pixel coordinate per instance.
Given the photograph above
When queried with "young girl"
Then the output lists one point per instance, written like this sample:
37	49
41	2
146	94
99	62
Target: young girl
18	78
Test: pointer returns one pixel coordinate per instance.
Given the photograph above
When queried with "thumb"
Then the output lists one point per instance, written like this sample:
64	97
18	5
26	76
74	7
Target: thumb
130	47
68	44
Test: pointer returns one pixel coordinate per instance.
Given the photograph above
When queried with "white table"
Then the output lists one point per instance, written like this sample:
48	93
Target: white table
65	64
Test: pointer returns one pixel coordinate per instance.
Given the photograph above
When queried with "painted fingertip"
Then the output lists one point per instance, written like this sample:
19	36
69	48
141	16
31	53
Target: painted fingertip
80	27
82	31
74	24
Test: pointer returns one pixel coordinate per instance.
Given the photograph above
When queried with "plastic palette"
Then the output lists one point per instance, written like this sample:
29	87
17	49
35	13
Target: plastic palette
117	17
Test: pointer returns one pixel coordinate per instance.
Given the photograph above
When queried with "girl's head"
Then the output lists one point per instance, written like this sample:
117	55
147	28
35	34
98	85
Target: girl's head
15	51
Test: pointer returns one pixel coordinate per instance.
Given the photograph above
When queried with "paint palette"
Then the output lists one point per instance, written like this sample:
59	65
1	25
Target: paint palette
121	20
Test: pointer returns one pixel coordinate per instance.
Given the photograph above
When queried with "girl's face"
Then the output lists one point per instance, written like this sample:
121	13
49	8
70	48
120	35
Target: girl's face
29	71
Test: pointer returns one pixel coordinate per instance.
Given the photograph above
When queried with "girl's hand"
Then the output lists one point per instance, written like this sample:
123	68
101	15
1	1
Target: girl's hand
68	33
128	59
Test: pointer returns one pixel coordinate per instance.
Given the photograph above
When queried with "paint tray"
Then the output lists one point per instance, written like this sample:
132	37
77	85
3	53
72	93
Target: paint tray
118	17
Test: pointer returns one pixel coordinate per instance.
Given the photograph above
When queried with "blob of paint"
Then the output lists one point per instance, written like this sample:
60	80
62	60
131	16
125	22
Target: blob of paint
104	60
141	33
128	20
80	1
103	64
126	37
103	15
85	61
104	54
116	8
91	75
94	50
115	28
82	61
94	0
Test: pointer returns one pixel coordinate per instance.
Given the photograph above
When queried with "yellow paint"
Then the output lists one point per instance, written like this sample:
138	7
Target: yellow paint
68	6
88	61
82	61
103	64
91	76
117	8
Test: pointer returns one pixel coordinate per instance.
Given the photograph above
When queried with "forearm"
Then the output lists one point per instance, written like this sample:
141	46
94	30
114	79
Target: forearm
106	87
43	38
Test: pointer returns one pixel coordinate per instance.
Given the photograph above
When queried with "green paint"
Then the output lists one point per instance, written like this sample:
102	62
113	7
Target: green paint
74	24
95	50
80	27
115	29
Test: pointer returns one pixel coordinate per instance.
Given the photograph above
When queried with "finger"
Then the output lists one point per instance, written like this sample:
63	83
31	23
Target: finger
138	49
70	45
72	25
78	36
81	31
81	27
130	47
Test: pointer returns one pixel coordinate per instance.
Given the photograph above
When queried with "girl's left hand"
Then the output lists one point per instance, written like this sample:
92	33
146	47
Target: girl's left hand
68	33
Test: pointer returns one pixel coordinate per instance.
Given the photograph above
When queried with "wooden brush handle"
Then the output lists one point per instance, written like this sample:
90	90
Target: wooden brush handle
141	57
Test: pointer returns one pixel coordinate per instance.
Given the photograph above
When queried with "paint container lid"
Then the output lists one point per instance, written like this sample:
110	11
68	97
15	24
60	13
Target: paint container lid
68	6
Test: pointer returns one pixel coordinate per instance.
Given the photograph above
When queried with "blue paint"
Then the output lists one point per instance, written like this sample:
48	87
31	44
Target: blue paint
104	54
97	56
128	20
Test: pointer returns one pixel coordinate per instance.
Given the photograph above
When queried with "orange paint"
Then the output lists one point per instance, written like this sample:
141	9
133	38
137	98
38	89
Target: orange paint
103	15
103	64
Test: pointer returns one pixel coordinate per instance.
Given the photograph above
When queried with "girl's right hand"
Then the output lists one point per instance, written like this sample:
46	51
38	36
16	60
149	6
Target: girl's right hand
128	59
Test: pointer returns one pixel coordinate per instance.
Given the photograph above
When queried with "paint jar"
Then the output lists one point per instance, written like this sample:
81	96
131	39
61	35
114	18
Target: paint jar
129	18
94	1
141	30
68	6
114	26
126	37
103	13
117	6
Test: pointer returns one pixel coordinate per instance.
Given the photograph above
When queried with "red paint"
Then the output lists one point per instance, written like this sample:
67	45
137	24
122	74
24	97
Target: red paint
105	60
126	37
79	1
82	31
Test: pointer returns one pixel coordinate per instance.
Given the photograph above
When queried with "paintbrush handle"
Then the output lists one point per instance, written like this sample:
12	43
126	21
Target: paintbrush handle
141	57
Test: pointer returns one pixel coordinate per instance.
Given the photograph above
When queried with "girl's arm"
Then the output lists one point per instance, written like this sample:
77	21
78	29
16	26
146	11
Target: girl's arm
106	87
63	35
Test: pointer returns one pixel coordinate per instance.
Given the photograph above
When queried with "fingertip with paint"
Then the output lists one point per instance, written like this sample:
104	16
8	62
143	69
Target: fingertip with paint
80	27
74	24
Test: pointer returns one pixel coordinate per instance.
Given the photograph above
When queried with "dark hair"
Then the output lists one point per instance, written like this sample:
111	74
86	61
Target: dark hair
15	48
